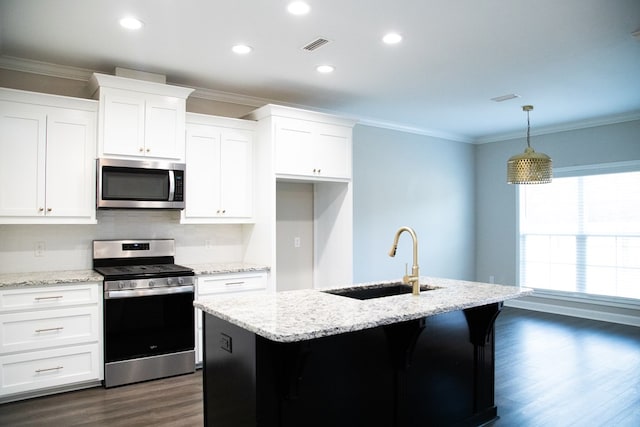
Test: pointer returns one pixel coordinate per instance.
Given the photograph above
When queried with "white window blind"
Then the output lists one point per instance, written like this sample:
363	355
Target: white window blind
581	234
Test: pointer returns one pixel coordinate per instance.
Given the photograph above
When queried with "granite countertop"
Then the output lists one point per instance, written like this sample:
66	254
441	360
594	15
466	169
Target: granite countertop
48	278
291	316
231	267
52	278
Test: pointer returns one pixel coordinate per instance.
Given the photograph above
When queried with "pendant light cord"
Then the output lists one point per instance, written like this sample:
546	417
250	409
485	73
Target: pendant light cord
528	130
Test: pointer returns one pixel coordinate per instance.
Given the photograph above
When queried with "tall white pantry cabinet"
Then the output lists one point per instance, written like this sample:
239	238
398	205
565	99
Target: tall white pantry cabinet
302	146
47	158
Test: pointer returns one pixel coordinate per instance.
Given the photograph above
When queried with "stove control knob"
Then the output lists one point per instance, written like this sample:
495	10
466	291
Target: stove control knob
151	284
132	284
121	284
180	280
169	281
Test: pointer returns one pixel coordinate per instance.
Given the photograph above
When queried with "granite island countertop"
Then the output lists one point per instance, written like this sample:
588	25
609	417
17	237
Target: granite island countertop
291	316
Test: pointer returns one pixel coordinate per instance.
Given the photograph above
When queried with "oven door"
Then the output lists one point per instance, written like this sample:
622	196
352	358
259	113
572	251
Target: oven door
148	323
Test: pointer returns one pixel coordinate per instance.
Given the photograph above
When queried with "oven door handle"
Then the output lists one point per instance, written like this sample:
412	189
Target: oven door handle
132	293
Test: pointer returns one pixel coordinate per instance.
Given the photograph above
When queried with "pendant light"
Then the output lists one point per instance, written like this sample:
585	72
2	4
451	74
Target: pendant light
530	167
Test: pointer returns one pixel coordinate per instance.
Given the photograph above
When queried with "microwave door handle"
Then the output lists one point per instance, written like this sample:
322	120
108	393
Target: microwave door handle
172	185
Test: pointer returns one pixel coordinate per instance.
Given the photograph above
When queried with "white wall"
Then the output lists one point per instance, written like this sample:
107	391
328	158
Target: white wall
423	182
294	219
68	247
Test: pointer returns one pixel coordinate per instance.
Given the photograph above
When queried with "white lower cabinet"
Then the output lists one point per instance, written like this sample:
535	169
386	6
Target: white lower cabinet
39	370
50	339
211	285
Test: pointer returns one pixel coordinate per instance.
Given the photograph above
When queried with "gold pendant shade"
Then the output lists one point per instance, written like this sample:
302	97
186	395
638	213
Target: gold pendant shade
529	167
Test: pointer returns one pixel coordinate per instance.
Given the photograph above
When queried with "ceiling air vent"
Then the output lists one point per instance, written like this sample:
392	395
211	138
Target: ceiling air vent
315	44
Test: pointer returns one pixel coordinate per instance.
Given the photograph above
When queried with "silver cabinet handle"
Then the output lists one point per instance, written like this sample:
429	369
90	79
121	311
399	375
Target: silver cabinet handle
59	328
49	369
233	283
46	298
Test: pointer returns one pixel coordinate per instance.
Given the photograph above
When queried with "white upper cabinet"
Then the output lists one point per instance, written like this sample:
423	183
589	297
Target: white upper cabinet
47	158
219	176
140	118
312	149
308	145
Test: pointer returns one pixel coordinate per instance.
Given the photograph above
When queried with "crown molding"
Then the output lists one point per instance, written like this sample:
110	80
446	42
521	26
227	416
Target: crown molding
564	127
84	74
45	68
232	98
416	130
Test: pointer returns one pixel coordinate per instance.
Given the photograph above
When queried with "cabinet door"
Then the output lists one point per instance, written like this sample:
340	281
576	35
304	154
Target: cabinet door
332	148
236	173
164	127
202	191
39	370
22	159
37	330
70	181
123	123
294	146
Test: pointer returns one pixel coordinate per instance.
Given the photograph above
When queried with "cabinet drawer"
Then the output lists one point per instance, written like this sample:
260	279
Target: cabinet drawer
49	368
55	296
34	330
239	282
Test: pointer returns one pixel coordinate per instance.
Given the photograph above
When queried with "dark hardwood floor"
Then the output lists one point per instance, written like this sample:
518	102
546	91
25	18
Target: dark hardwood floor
556	370
550	371
175	401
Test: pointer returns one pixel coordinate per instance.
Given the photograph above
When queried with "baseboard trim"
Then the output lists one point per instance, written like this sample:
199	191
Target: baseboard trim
585	313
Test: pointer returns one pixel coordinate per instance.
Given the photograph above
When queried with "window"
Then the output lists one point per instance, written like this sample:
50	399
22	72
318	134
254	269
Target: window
581	233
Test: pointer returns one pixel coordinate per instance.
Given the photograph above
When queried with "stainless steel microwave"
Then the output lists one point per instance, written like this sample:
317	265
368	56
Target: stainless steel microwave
139	184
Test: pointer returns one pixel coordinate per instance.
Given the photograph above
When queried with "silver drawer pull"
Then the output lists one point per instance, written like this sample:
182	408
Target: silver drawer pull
46	298
57	368
59	328
233	283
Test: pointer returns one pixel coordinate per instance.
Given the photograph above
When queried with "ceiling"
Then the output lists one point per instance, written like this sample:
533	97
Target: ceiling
574	60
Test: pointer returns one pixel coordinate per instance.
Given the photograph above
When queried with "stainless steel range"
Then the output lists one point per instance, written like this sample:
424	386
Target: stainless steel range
148	310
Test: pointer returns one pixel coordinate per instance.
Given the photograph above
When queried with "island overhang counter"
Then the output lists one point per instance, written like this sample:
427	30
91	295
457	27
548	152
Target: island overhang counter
310	357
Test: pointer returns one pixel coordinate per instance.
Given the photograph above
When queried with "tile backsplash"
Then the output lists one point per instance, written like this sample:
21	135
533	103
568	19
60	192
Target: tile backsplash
25	248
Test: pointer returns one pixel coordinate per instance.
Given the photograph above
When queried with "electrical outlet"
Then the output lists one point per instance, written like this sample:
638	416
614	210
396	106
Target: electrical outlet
208	244
39	249
225	343
296	242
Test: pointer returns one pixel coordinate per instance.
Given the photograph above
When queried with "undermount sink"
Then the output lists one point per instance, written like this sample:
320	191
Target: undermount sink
377	291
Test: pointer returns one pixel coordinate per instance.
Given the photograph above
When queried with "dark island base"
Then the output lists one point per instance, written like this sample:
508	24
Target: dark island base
435	371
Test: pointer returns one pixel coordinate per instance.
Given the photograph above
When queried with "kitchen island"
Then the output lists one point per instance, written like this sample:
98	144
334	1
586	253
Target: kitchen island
314	358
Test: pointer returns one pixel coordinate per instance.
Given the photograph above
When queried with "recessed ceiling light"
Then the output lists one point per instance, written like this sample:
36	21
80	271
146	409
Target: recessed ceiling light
298	8
324	69
241	49
392	38
131	23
